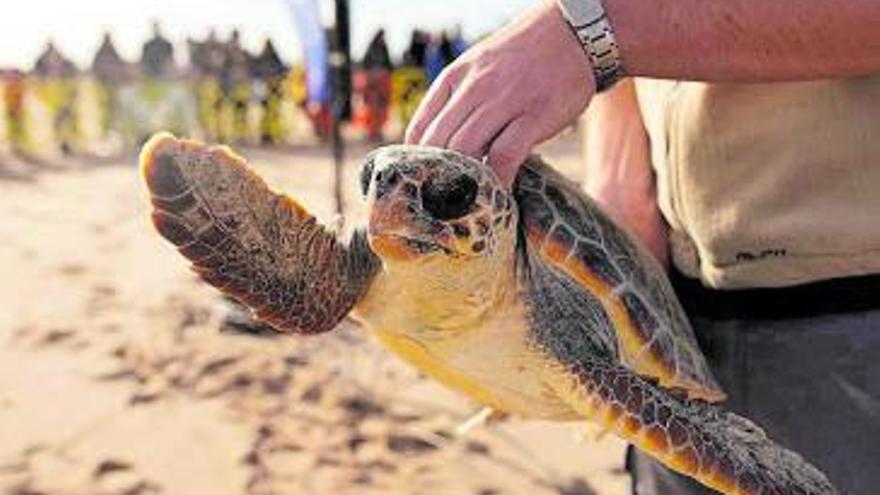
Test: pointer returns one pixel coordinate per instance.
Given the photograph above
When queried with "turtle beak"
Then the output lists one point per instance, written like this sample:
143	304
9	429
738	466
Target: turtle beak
400	229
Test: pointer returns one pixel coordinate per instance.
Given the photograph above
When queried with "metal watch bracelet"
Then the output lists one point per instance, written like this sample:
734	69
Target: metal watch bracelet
588	20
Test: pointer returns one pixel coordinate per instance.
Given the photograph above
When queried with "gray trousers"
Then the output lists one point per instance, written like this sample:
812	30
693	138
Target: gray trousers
812	383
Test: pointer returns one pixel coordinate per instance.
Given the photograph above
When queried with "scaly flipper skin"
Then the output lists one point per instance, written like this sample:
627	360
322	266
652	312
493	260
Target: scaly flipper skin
719	449
256	245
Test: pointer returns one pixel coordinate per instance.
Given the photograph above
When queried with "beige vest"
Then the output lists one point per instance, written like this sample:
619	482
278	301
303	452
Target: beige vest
768	185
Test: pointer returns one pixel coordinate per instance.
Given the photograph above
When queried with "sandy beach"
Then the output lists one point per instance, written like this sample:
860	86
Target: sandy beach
115	377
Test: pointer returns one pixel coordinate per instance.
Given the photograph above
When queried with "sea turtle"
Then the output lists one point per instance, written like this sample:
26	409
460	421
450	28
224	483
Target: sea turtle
531	301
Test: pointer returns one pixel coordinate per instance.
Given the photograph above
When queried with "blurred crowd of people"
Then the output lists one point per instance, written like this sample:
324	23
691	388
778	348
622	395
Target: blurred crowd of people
225	93
380	84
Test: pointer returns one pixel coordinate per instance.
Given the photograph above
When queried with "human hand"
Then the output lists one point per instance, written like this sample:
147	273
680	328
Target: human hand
619	174
508	93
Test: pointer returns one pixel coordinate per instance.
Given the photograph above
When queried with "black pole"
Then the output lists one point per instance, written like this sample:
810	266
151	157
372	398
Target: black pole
340	77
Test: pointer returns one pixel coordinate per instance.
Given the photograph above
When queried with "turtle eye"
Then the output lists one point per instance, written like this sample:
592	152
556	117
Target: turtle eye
366	176
449	195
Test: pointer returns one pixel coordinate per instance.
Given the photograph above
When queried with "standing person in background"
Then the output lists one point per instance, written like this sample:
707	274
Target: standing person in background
268	71
208	59
14	107
434	61
443	49
109	71
377	91
155	93
201	87
56	86
409	82
157	56
447	50
236	85
296	91
415	53
457	43
750	130
225	108
52	64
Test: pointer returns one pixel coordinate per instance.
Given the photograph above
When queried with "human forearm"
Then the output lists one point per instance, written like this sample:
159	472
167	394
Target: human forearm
618	166
530	79
747	40
616	144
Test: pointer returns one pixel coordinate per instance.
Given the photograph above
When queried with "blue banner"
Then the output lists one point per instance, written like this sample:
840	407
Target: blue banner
307	17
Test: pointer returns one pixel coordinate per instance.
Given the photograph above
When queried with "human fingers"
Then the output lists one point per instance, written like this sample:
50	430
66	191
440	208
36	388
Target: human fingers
434	100
482	126
466	98
510	149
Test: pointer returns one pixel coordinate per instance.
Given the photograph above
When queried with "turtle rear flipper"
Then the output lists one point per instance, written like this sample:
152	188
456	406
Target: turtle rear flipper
256	245
719	449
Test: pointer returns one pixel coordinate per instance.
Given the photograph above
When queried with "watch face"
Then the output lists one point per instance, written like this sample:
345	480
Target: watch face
581	12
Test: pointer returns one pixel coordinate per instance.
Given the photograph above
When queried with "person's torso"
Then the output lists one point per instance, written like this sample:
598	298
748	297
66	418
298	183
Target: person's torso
768	184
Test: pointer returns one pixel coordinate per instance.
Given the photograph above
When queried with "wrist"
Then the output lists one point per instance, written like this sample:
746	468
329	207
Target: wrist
557	18
616	147
596	36
621	174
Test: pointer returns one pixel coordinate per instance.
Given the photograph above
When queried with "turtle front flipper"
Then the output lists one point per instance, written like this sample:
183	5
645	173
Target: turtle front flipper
254	244
719	449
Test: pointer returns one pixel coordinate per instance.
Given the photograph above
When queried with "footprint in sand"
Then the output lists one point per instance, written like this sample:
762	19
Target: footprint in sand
409	444
56	336
22	333
117	476
101	298
104	291
110	466
188	314
576	486
72	269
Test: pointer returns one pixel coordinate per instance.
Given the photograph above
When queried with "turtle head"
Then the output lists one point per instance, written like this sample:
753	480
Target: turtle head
427	203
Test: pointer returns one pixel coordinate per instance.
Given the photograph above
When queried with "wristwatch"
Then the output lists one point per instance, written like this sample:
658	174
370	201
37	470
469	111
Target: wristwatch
590	23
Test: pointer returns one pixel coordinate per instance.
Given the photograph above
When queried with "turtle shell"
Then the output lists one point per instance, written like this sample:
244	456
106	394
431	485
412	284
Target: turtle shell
574	252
